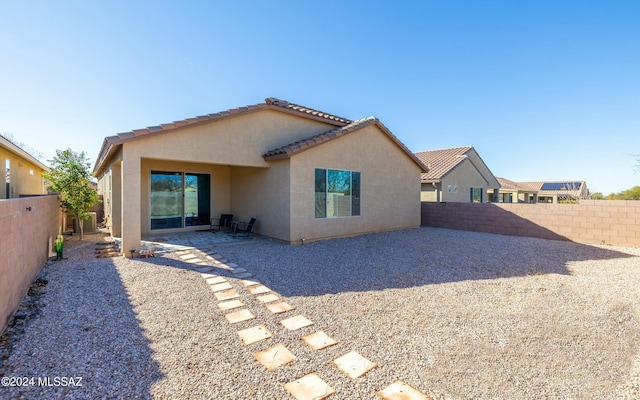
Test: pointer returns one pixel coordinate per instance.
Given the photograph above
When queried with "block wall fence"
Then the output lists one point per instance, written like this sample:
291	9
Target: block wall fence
613	222
27	227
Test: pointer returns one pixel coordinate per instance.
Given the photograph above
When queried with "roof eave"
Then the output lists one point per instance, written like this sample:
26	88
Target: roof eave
19	151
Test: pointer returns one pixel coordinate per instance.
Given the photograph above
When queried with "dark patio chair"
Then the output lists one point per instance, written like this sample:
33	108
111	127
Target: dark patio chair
244	229
224	222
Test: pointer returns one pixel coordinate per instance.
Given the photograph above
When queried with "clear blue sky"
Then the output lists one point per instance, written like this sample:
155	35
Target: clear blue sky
544	90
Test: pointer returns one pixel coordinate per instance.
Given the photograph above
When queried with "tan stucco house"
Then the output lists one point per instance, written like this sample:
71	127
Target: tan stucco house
302	173
514	192
21	173
456	174
542	192
558	191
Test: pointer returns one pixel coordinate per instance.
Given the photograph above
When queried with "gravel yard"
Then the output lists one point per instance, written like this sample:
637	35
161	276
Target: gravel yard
455	314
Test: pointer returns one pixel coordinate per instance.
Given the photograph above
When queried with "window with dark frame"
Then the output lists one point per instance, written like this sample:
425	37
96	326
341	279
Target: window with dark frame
337	193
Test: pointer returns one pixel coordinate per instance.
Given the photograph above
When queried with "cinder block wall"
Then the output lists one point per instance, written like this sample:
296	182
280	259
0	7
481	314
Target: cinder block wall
615	222
24	246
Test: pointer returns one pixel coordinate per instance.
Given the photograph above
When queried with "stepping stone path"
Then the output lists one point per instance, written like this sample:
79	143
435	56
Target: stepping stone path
310	386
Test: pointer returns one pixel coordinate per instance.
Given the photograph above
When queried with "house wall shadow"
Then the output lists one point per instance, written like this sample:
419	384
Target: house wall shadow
405	258
98	337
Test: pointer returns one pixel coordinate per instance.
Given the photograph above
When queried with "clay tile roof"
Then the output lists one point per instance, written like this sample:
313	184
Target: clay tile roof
110	143
441	162
296	107
508	184
302	145
555	187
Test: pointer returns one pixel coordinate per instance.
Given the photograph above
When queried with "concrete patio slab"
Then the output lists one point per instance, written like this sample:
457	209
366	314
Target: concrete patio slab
399	390
319	340
254	334
229	305
259	289
309	387
295	323
275	357
354	365
215	279
220	286
278	308
227	295
239	316
267	298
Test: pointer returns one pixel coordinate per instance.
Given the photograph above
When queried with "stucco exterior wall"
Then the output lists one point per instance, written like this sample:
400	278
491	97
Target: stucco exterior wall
492	182
390	186
430	192
464	176
22	180
234	141
264	194
26	235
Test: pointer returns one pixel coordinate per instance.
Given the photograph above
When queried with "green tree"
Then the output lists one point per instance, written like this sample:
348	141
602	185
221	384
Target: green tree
597	196
69	176
629	194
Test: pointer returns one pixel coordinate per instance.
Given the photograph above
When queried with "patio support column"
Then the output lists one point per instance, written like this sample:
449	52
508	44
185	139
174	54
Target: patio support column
116	199
131	189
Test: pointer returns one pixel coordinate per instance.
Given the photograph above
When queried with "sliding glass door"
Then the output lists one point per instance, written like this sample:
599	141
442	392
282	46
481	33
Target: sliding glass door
179	199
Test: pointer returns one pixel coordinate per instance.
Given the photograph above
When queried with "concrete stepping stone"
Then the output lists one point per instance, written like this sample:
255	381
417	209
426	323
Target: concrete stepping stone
224	266
279	308
230	304
231	265
259	289
309	387
239	316
220	286
193	260
399	390
354	365
244	275
204	269
237	271
267	298
215	279
319	340
187	256
275	357
208	275
295	323
227	295
248	283
254	334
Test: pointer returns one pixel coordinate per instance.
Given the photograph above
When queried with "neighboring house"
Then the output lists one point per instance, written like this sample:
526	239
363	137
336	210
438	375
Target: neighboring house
514	192
302	173
558	191
456	175
20	172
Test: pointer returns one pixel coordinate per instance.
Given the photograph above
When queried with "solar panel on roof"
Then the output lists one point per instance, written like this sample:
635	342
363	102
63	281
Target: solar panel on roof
560	186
